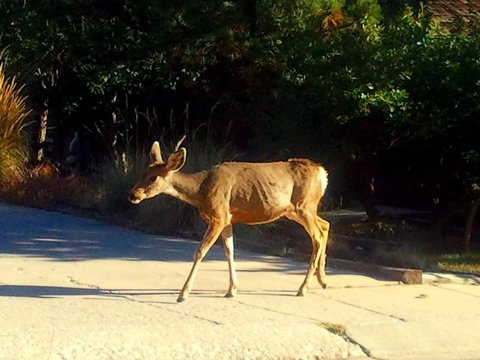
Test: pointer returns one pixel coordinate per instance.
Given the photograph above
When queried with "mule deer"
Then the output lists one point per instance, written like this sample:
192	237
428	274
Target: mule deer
242	193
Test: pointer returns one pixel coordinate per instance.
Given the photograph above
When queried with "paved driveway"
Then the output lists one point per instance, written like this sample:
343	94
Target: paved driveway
74	288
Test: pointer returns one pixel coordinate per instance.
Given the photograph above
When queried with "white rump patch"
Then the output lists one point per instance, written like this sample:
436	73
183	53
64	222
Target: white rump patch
323	178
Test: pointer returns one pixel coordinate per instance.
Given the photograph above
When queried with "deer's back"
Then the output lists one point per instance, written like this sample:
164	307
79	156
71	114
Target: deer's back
262	192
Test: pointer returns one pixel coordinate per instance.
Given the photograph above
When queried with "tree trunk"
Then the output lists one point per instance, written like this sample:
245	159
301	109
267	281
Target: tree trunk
369	198
469	224
42	136
251	14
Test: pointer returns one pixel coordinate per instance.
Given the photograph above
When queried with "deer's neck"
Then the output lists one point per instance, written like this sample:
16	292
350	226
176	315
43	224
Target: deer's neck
186	186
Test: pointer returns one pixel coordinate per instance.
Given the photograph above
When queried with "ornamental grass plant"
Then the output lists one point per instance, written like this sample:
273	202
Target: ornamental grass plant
13	115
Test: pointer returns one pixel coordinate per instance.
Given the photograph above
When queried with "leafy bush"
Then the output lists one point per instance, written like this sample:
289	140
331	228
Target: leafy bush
379	92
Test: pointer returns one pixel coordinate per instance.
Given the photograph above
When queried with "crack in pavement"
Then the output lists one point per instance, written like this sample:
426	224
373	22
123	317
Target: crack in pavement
366	309
349	338
131	298
275	311
107	292
456	291
330	298
345	336
367	352
112	293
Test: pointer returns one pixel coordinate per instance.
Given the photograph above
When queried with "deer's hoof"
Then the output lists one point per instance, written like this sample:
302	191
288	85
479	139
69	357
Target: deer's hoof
324	285
181	299
231	294
300	293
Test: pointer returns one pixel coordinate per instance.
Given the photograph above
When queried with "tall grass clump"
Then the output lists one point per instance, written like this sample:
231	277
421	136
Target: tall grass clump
164	213
161	214
13	113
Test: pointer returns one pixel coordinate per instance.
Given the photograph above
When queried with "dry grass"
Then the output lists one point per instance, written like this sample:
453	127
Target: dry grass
162	213
336	329
465	263
44	187
13	114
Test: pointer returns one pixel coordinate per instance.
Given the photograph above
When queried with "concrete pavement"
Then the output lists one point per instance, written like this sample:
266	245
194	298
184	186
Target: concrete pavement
73	288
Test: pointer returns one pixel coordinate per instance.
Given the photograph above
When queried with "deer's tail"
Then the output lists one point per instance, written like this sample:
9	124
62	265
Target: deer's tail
323	175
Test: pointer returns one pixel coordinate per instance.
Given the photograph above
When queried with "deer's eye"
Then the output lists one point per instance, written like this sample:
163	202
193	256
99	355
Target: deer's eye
152	179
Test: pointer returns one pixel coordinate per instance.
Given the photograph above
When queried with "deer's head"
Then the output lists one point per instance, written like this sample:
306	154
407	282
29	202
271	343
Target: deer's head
156	178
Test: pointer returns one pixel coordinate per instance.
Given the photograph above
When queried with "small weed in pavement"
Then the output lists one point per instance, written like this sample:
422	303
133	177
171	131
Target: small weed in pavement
336	329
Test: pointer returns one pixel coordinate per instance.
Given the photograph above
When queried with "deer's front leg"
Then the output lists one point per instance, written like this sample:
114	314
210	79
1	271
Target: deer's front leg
209	238
227	238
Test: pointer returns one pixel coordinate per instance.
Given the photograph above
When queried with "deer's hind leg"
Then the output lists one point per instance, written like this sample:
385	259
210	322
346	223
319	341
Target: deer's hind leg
308	220
324	227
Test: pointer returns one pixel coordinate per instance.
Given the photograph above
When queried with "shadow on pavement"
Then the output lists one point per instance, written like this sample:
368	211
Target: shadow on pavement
60	237
50	292
38	291
37	233
45	291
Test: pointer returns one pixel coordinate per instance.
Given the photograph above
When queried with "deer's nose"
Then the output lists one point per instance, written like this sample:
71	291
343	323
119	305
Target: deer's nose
132	198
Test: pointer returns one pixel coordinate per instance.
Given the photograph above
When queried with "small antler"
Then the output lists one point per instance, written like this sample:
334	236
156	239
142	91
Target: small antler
180	142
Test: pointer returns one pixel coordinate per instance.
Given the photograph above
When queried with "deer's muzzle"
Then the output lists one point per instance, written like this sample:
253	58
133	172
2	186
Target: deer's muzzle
134	198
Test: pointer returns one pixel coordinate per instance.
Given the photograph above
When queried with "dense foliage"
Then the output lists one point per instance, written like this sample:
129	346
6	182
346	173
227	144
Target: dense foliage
378	91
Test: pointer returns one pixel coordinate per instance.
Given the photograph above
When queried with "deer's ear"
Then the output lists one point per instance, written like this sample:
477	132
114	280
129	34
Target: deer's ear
176	160
155	153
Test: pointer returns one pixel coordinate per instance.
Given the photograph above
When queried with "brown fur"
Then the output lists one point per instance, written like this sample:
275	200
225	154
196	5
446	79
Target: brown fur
243	193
